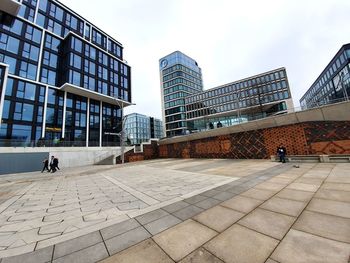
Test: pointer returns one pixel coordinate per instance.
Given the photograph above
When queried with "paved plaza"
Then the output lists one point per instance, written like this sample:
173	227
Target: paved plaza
178	210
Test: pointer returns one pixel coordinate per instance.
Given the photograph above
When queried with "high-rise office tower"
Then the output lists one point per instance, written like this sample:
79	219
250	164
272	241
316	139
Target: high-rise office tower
180	76
63	81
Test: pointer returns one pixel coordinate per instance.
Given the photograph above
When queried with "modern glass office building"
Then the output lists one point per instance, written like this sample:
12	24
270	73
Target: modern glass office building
180	76
140	128
333	84
63	81
256	97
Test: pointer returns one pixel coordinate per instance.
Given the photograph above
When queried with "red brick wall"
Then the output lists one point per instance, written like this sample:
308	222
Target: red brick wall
331	137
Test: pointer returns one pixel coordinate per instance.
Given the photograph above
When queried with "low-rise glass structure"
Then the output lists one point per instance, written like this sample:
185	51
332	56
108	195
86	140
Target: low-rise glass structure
63	81
333	84
251	98
140	128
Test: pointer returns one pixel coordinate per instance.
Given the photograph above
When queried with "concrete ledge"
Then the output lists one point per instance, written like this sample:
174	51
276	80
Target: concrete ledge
315	158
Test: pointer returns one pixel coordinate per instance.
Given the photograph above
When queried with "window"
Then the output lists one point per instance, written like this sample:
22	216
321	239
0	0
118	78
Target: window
50	59
56	12
9	43
21	132
90	51
40	19
16	27
87	31
43	5
54	27
30	51
98	38
75	61
72	21
33	34
74	77
23	112
89	67
6	110
89	83
28	70
76	45
26	90
48	76
52	42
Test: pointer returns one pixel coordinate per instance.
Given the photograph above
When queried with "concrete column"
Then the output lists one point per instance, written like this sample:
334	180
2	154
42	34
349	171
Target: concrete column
44	115
87	122
100	123
2	99
64	114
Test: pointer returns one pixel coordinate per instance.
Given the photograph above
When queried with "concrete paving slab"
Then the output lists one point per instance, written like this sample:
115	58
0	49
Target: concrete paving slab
242	204
258	194
201	256
269	223
301	247
330	207
284	206
146	252
179	241
218	218
336	186
88	255
76	244
175	207
328	226
119	228
195	199
237	243
335	195
303	187
187	212
132	237
39	256
162	224
270	186
296	195
208	203
151	216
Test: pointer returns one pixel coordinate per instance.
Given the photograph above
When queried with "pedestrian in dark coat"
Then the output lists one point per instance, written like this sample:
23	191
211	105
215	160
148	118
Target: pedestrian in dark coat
46	165
282	152
52	165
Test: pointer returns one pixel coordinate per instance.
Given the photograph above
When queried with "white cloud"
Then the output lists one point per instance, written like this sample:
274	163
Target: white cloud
230	39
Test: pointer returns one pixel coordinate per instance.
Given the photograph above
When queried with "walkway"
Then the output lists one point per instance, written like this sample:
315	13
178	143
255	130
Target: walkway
180	211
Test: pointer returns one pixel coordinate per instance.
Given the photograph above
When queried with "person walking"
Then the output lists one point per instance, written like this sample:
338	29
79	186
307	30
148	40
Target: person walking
52	164
46	165
282	152
55	163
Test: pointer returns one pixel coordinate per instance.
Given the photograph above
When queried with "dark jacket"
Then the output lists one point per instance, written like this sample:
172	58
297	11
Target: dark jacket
55	162
282	150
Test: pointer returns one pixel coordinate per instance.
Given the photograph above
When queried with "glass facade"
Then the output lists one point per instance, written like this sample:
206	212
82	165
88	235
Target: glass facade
333	85
47	47
252	98
141	128
180	77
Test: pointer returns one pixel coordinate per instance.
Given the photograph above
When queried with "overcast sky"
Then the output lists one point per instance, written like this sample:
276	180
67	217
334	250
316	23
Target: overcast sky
230	39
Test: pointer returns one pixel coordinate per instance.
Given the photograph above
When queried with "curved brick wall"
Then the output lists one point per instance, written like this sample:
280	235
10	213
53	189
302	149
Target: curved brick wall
317	137
320	137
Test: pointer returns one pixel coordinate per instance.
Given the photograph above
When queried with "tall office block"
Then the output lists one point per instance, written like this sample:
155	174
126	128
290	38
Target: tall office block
63	81
180	76
140	128
333	84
